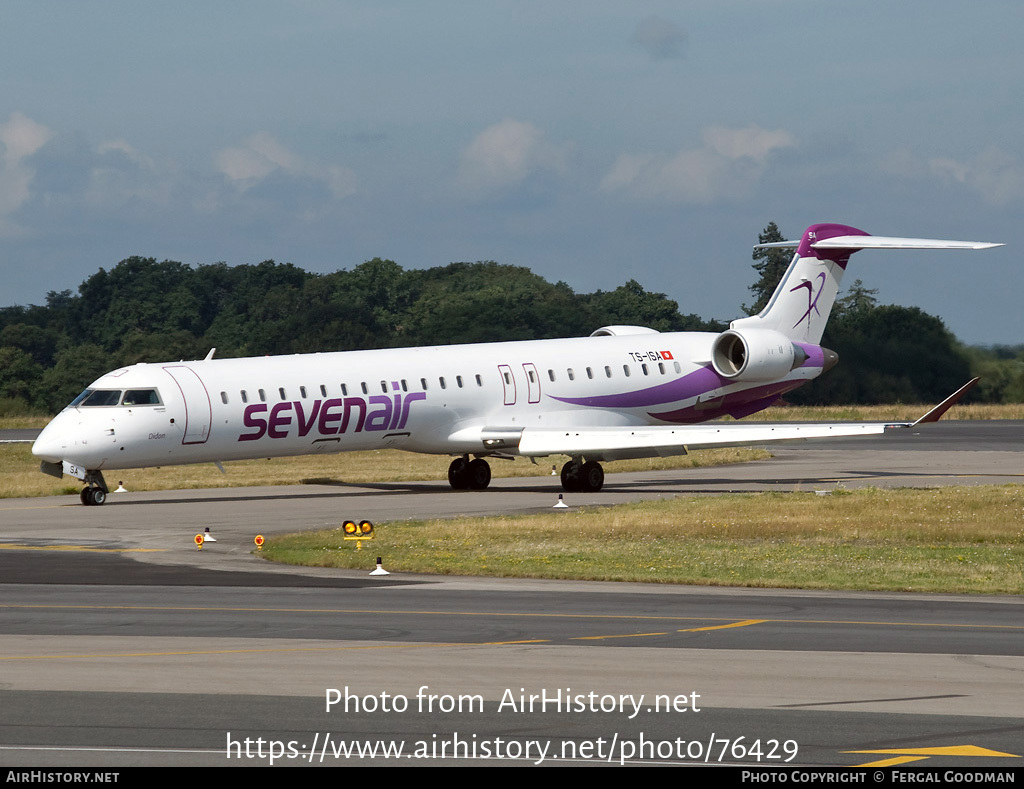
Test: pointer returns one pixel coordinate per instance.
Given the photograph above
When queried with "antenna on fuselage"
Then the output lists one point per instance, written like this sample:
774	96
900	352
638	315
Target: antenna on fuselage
210	355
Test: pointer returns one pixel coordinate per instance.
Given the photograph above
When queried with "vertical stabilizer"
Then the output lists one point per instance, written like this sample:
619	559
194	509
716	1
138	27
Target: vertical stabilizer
802	302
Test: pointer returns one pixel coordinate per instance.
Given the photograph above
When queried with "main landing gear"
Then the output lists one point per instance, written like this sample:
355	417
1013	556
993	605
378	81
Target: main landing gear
578	477
466	474
95	492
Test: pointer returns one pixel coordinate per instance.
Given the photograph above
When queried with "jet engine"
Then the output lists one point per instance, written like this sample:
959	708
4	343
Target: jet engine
755	355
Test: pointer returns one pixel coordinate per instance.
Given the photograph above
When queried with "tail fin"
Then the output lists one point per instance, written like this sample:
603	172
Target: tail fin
802	302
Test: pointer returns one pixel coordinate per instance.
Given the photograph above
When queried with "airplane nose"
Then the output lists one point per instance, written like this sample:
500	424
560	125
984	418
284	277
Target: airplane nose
49	446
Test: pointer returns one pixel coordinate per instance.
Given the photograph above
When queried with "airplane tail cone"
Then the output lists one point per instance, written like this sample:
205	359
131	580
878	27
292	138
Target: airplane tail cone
380	569
561	503
207	537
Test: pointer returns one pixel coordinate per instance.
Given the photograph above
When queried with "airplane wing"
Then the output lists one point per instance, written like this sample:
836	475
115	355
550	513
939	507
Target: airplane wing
621	443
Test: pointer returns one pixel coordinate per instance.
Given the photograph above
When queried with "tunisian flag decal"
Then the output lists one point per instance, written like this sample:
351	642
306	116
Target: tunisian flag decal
667	355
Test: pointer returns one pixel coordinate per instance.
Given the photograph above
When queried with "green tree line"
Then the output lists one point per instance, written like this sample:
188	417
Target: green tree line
146	310
143	310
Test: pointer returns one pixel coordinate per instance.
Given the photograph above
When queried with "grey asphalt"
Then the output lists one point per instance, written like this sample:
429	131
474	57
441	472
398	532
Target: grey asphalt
135	648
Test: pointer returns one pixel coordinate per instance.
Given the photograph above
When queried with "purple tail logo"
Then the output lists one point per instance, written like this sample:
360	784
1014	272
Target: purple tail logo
812	298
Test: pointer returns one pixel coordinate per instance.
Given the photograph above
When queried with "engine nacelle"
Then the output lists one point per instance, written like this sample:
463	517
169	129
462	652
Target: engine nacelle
622	331
755	355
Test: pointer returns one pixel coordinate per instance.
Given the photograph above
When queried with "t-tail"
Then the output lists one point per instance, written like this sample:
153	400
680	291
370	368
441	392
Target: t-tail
802	302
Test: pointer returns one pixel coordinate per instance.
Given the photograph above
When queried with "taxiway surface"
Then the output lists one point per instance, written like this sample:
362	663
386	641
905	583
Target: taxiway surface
121	644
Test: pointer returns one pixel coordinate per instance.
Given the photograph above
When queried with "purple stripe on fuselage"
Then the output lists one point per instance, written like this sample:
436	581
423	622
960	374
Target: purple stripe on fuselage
691	385
736	405
699	381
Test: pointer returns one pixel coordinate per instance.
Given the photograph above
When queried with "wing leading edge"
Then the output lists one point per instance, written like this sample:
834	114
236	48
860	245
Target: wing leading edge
622	443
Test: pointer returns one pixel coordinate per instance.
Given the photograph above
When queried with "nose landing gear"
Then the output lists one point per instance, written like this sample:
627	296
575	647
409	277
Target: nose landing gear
95	492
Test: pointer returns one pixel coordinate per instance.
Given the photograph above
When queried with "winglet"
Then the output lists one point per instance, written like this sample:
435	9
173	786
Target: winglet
936	413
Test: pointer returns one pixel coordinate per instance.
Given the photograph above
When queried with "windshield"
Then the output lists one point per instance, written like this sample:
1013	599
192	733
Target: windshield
141	397
98	397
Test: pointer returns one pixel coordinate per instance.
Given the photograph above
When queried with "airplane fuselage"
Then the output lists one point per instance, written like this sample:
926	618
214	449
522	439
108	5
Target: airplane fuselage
440	399
623	392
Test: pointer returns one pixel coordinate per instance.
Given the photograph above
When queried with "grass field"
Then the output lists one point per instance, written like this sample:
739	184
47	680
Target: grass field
957	540
20	475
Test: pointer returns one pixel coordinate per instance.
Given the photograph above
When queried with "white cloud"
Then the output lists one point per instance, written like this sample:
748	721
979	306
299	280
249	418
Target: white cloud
727	166
20	137
660	38
507	154
996	175
261	155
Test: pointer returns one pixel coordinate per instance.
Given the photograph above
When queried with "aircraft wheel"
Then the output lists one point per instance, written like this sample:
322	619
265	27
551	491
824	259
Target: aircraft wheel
99	496
571	476
478	474
458	476
591	476
85	497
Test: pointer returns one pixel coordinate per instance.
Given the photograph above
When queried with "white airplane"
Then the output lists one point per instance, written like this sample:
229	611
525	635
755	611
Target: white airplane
623	392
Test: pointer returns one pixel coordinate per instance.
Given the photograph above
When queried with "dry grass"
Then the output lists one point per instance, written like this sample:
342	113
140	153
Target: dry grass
20	475
899	412
949	540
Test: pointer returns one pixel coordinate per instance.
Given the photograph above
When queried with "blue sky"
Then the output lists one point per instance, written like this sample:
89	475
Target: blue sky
590	141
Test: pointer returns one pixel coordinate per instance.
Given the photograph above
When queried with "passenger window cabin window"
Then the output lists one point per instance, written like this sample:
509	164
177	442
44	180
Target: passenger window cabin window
458	380
661	367
363	387
678	368
551	374
280	391
302	392
644	368
404	387
479	380
590	373
571	374
263	396
531	376
625	370
384	387
323	390
442	383
508	378
607	372
224	397
423	384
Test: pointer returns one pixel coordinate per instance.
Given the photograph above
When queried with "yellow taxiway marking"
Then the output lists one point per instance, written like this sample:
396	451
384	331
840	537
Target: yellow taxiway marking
12	546
727	622
744	623
893	761
905	755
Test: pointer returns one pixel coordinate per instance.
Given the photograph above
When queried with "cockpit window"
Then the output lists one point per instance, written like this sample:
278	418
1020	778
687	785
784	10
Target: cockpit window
141	397
100	397
80	398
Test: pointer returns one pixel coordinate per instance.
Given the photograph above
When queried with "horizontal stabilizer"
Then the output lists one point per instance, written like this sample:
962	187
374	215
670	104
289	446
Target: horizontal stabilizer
893	242
881	242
